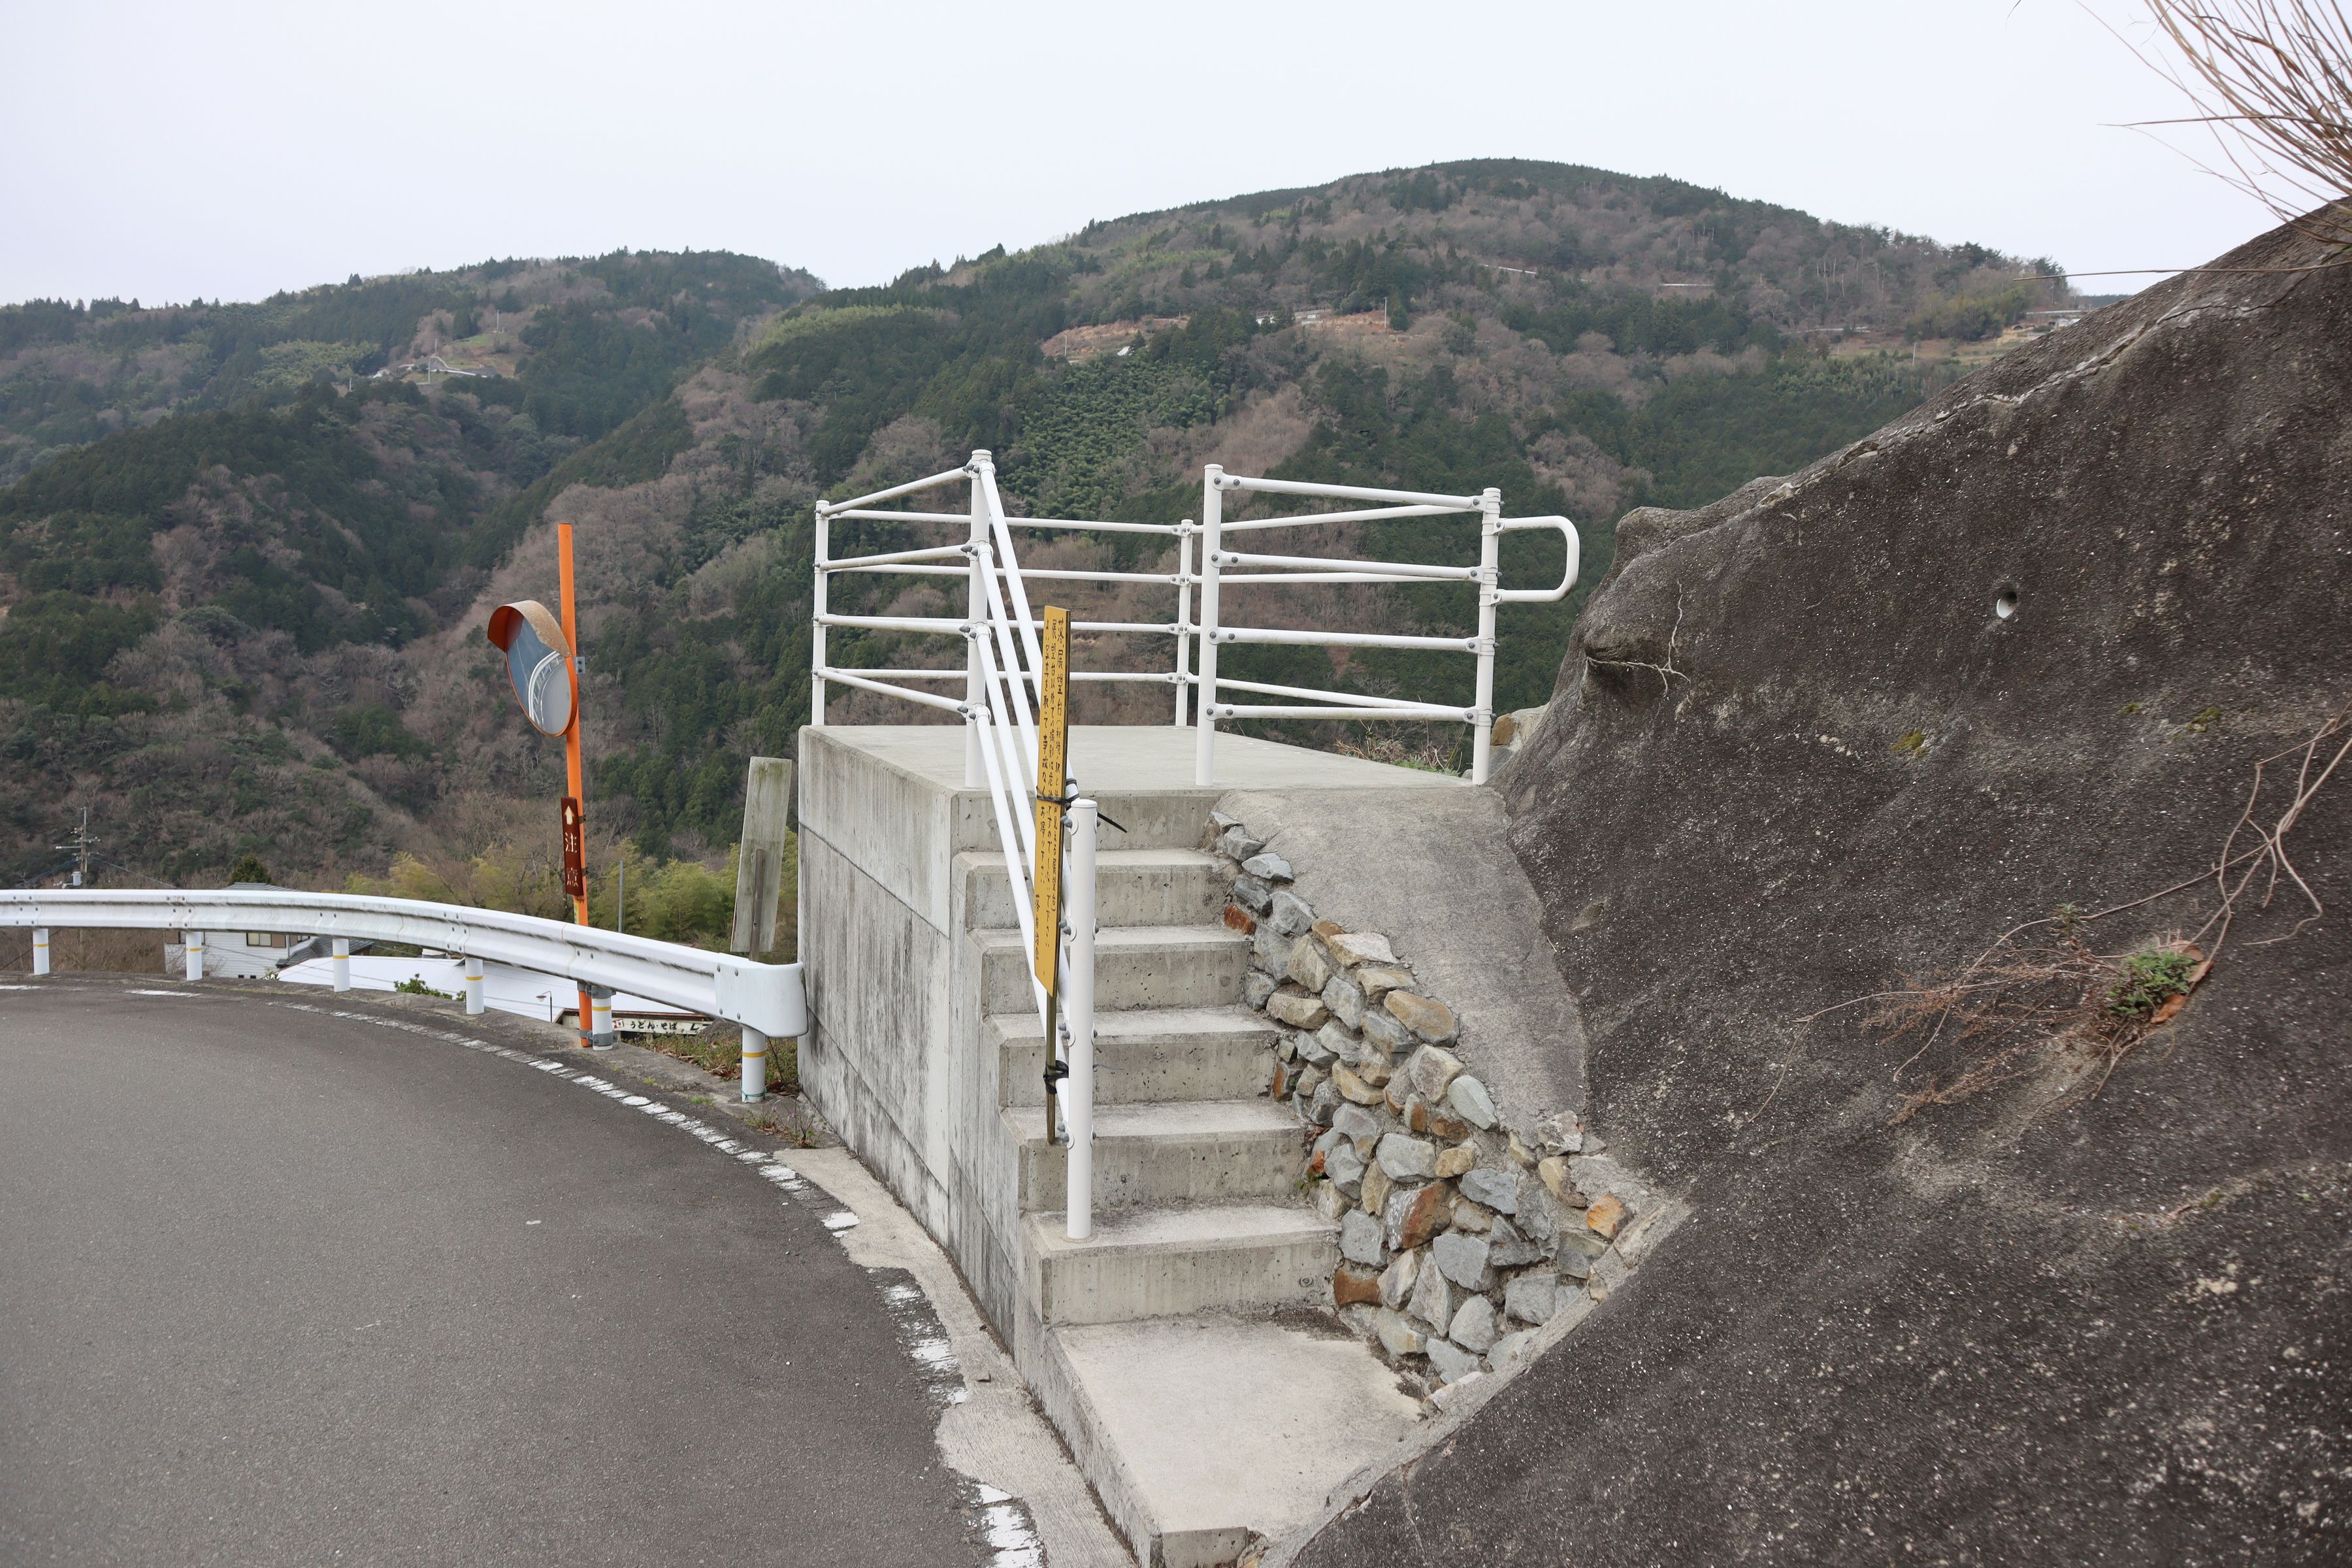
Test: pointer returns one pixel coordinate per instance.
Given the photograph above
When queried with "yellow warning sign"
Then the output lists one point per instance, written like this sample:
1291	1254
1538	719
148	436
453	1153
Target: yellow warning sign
1053	772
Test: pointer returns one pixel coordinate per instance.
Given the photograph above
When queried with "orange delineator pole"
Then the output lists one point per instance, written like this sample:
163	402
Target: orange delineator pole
571	769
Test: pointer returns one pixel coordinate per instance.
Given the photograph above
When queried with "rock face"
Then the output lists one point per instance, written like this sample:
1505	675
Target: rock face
2020	649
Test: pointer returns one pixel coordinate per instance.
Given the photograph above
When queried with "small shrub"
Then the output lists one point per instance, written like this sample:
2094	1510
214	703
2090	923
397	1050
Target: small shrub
414	986
2148	980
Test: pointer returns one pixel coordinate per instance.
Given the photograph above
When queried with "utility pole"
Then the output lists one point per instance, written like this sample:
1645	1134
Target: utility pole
81	845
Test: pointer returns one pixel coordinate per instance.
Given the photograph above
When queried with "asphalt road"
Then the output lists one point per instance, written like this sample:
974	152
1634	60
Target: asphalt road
279	1288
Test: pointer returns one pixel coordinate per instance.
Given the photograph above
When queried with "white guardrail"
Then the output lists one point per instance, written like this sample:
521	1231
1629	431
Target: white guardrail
998	605
766	999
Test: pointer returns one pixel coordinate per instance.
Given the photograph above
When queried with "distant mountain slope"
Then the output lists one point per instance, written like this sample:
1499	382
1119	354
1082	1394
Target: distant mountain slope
592	339
302	554
244	569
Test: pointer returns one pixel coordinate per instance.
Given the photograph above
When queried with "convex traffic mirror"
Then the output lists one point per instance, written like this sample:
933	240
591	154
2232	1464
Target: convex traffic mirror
539	662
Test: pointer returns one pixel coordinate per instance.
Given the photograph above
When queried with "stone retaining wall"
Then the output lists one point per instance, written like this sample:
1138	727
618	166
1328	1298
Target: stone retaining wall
1460	1236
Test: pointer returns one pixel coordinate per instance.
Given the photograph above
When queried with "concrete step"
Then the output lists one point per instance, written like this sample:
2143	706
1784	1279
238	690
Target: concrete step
1183	1152
1202	1435
1135	966
1144	1054
1132	888
1154	819
1168	1262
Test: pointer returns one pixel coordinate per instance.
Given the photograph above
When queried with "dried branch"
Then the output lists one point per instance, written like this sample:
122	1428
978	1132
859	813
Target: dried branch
2029	1001
2271	83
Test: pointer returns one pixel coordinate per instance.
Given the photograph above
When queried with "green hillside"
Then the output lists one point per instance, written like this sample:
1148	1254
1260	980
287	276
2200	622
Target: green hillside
245	575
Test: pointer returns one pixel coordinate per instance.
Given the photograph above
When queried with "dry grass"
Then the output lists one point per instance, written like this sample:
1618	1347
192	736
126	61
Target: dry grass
78	950
2024	1009
2272	84
718	1051
793	1124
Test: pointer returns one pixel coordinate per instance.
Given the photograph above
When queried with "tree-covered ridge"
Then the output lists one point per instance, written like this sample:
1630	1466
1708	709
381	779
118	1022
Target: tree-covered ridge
595	339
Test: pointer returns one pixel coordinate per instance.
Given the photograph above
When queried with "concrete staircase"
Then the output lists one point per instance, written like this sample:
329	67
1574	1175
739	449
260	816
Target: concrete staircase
1202	1415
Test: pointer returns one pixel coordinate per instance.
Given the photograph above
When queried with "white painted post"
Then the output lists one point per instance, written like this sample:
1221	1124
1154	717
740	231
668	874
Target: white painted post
195	955
473	1001
755	1066
40	950
976	690
1078	1008
600	1004
1490	567
816	618
1183	616
1204	699
342	964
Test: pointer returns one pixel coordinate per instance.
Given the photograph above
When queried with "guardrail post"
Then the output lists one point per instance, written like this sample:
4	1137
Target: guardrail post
1078	1004
1490	567
1204	697
474	1001
196	954
755	1066
342	963
40	950
600	1028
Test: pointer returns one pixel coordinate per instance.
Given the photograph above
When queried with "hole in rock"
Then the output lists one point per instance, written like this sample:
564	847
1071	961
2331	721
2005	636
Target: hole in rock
2004	604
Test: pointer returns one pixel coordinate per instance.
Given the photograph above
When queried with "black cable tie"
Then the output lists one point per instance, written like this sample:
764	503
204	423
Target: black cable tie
1068	801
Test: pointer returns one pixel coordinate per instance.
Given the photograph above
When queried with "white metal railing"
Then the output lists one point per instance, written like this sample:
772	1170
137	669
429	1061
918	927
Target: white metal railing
997	590
1000	672
766	999
1218	569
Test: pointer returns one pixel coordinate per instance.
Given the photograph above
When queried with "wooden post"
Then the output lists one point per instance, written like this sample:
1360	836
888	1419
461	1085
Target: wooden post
760	859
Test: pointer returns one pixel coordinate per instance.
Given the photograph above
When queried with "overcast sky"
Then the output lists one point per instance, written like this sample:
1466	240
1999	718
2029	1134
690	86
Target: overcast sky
229	149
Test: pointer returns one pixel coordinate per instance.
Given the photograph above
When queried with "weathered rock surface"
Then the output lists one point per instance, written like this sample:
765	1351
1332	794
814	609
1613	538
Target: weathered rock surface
1796	754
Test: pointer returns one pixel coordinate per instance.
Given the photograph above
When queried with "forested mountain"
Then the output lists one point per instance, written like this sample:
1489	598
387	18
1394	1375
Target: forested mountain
246	613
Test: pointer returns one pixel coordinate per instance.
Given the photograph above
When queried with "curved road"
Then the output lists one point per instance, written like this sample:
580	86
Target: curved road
277	1287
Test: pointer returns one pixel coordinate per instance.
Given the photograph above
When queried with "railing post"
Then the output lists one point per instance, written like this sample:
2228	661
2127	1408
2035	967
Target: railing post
1183	616
342	966
755	1066
196	954
1204	700
816	618
474	1000
1490	568
40	950
1078	1009
975	691
600	1018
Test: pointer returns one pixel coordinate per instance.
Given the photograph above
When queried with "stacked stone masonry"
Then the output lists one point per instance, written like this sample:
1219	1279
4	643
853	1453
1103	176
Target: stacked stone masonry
1460	1237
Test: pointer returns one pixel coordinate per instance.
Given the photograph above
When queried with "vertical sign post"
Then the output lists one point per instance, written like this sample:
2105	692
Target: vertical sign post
1046	884
574	774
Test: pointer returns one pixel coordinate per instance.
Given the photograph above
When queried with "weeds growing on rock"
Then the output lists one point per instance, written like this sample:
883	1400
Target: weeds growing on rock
2026	1006
2043	996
